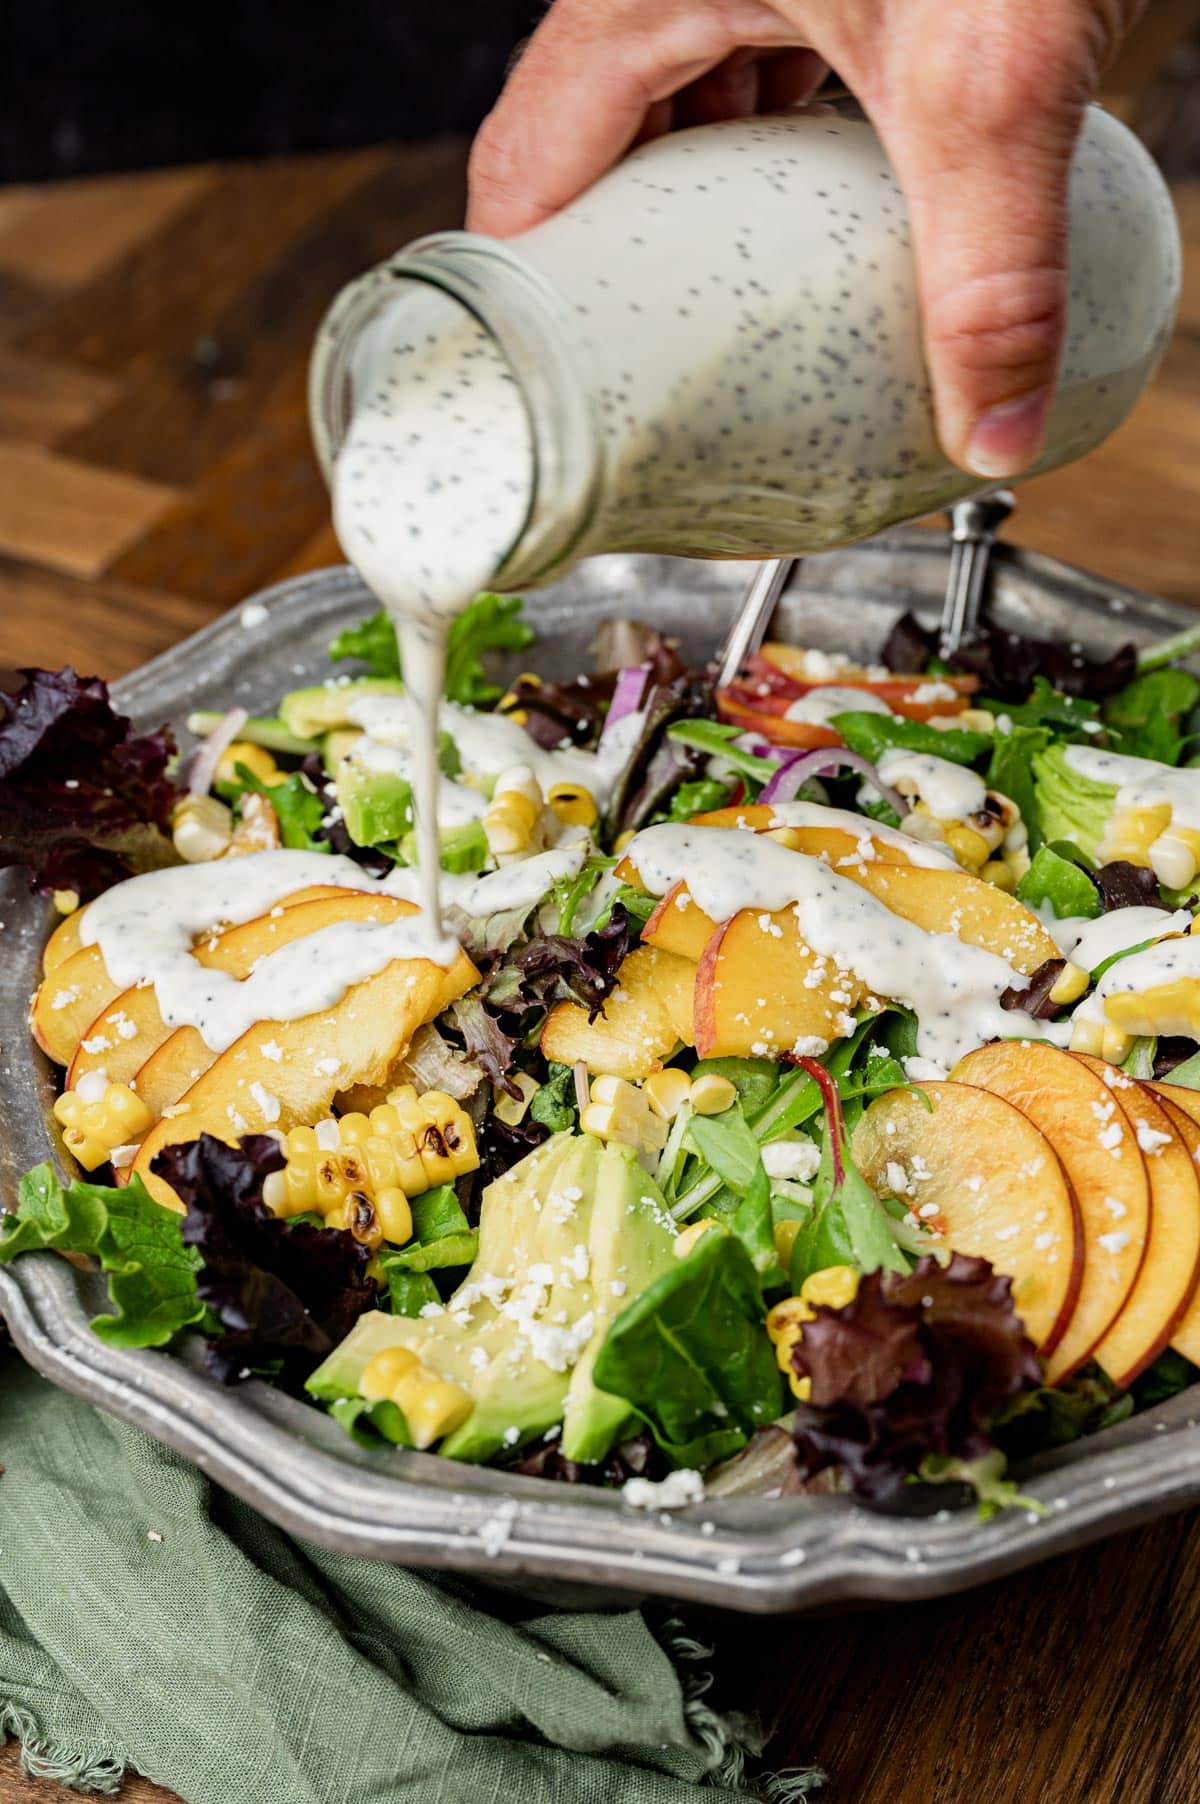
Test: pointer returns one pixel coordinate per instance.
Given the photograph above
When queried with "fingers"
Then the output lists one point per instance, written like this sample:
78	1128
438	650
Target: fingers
985	173
591	83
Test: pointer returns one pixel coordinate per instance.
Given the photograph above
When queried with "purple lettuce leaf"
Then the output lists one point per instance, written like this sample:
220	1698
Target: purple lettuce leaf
282	1292
1124	885
84	800
1034	999
918	1363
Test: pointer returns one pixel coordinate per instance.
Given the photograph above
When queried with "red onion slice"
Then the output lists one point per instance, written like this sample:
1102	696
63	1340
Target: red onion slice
202	766
795	769
627	695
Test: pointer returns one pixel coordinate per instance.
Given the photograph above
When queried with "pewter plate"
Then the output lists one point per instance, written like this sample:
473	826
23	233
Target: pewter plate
295	1464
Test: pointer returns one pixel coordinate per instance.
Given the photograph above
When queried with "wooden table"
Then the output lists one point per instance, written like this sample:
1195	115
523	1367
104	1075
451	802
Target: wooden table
155	467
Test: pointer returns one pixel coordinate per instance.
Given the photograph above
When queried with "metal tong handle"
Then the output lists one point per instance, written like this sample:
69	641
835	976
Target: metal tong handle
754	616
974	525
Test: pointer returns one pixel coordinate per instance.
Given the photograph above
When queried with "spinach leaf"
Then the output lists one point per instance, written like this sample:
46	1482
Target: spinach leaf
871	735
1066	716
1187	1074
436	1213
554	1105
714	737
1011	773
691	1354
371	1424
151	1274
754	1079
1054	879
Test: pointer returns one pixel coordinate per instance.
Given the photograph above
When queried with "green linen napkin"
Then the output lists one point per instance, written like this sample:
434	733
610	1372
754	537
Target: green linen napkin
150	1621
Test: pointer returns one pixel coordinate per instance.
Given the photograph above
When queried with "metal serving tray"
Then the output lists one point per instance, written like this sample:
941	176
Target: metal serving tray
294	1463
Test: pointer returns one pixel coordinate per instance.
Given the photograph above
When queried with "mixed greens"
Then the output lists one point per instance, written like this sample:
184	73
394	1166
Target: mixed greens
595	1218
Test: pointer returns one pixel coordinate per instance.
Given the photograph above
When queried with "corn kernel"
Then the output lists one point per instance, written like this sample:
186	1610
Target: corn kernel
1000	874
66	901
1174	857
574	805
785	1344
790	1314
394	1215
1070	984
511	1110
1088	1037
712	1094
1115	1046
202	829
433	1407
831	1288
687	1237
667	1091
94	1125
623	840
404	1147
969	847
1165	1008
975	720
256	759
785	1233
507	702
382	1373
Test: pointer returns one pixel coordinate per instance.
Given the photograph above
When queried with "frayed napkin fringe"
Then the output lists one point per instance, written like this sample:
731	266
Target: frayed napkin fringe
80	1770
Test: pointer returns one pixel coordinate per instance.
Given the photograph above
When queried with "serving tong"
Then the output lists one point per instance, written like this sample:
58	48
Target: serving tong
974	527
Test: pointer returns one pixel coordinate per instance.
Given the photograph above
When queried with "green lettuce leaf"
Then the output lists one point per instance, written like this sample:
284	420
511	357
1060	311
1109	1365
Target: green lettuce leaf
1010	773
871	735
490	623
299	808
151	1274
1054	879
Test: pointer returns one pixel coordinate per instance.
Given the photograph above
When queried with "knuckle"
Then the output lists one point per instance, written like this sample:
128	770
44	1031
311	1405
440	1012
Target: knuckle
1007	322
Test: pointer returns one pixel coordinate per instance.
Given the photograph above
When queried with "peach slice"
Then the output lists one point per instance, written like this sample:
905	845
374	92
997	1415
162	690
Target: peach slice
760	989
1180	1095
357	1041
1073	1108
79	989
946	901
64	942
131	1029
646	1017
679	926
1186	1121
996	1187
1170	1270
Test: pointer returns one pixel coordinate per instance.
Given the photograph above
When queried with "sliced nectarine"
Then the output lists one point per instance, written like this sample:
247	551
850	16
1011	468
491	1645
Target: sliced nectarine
991	1185
1180	1095
679	925
761	990
1072	1107
131	1029
1170	1269
80	989
946	901
357	1041
646	1017
64	942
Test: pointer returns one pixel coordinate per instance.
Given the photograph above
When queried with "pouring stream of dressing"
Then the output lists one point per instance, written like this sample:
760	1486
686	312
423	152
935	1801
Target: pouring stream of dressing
429	494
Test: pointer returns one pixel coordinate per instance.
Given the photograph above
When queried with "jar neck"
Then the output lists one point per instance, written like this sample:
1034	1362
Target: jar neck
531	326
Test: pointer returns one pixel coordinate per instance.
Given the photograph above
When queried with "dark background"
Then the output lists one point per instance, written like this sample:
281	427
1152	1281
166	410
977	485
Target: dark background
119	84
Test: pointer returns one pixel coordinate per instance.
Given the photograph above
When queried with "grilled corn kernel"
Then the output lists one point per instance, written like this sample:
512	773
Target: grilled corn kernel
1165	1008
1115	1047
785	1233
202	829
1000	874
256	759
712	1094
403	1147
511	1110
66	901
918	823
1175	857
383	1373
257	827
667	1091
98	1118
574	805
687	1237
1088	1037
1070	984
785	1326
831	1288
1131	832
512	814
969	847
432	1406
788	1316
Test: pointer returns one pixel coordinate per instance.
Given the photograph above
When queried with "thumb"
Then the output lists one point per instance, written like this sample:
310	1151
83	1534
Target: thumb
986	184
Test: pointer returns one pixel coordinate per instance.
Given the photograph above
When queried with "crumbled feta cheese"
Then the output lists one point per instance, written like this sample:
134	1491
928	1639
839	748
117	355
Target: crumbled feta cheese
926	1071
798	1159
272	1050
1150	1139
268	1104
674	1492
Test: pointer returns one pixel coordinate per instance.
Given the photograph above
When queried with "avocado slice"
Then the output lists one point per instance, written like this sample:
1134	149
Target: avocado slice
631	1243
309	713
377	805
523	1330
464	847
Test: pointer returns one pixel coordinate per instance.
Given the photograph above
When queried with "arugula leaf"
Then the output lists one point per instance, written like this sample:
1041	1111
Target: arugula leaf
714	737
848	1225
1010	773
569	892
151	1274
554	1104
490	623
1054	879
870	735
728	1147
373	641
300	810
1066	716
691	1354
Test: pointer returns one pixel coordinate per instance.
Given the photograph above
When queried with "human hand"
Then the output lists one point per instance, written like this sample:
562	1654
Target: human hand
978	104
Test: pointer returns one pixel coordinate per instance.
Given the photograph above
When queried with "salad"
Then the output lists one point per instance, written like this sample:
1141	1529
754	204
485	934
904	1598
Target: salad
807	1095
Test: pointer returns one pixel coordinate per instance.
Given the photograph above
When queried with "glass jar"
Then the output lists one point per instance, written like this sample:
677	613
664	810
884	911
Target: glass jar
716	350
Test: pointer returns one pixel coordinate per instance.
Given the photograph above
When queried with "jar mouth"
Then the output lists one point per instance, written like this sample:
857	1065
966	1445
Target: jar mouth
532	328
